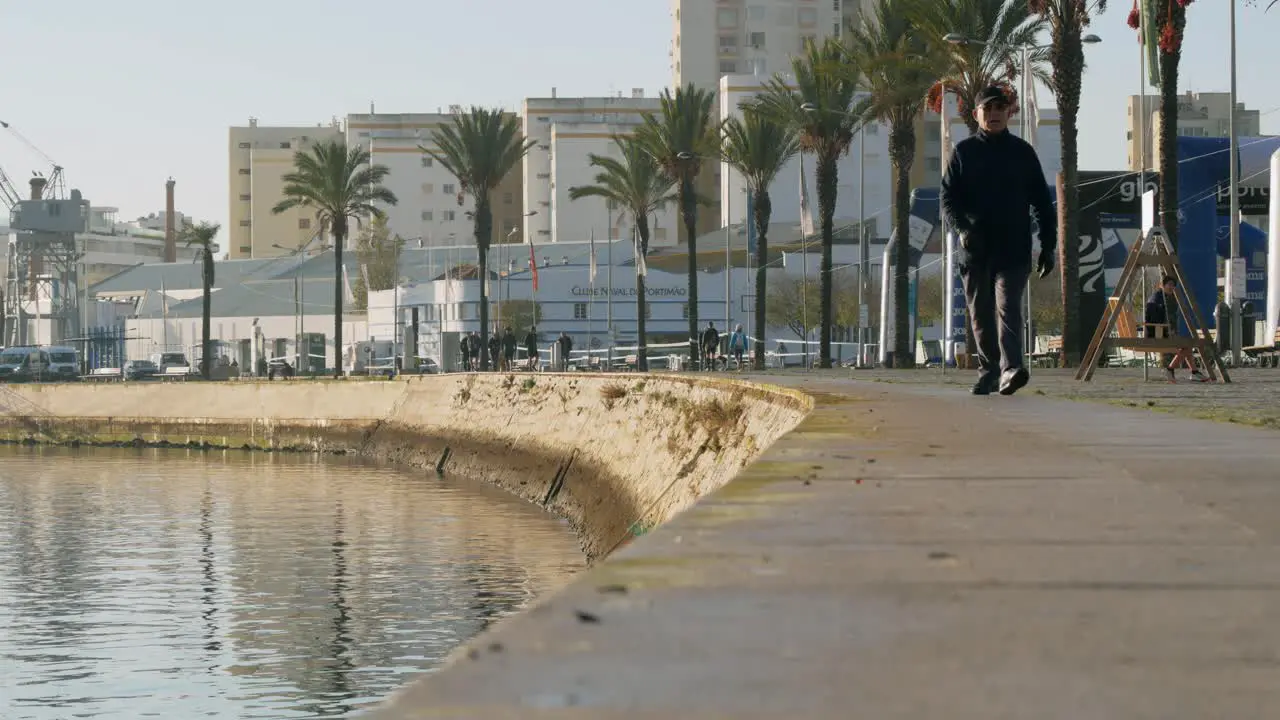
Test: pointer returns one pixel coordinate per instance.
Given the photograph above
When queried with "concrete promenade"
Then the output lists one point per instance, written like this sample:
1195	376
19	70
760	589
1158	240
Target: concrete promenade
910	551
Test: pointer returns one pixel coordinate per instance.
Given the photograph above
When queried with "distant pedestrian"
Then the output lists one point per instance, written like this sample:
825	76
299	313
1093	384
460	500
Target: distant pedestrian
992	183
738	345
531	347
508	349
710	346
566	348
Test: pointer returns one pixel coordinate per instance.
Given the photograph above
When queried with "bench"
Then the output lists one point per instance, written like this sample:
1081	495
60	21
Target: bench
176	372
1052	357
105	374
1267	355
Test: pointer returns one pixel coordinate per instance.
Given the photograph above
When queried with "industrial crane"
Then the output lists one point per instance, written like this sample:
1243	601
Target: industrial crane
42	245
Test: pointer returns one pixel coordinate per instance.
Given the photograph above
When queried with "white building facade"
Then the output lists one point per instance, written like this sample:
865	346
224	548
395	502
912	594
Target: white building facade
428	213
566	132
748	37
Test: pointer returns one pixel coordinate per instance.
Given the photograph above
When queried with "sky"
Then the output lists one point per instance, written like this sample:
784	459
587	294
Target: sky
126	94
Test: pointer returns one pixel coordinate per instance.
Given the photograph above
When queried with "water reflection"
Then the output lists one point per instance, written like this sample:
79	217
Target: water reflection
246	586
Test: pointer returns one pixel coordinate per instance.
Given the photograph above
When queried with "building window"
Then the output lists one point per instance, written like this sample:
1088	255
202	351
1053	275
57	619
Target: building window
448	216
648	311
611	204
684	311
579	311
873	129
758	67
659	234
727	18
807	17
285	146
428	188
757	40
755	13
244	223
244	197
304	223
426	161
448	189
245	249
426	216
728	44
728	67
507	198
244	171
932	164
244	146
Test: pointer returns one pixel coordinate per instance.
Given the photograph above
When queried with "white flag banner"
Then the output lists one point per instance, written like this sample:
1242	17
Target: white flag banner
348	297
806	217
641	268
946	132
592	272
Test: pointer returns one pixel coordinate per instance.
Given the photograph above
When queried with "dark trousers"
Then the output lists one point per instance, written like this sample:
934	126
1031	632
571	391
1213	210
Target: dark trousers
993	291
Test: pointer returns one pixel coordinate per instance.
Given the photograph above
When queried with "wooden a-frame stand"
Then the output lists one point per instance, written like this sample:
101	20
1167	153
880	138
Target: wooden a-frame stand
1152	249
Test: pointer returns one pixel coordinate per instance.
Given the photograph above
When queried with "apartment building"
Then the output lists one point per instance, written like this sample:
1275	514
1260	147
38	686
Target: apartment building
431	211
259	157
748	37
1199	115
566	132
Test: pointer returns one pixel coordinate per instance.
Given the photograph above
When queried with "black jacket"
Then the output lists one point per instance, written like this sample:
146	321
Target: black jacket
992	183
1161	310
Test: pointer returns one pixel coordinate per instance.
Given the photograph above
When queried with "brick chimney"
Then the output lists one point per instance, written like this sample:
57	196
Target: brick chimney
170	232
37	187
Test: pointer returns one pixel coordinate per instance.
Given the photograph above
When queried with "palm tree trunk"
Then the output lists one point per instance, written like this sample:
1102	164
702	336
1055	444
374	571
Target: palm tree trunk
763	207
483	226
902	154
206	316
339	239
642	346
689	213
1068	70
1168	160
828	176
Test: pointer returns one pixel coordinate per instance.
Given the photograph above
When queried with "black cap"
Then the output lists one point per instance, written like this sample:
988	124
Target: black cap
993	93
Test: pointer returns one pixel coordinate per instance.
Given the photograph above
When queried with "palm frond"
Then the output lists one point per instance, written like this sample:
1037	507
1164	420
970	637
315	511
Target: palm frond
819	99
201	235
681	136
757	147
336	181
479	148
634	180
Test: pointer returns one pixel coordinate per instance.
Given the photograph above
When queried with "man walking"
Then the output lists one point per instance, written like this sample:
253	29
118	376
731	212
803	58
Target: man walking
993	181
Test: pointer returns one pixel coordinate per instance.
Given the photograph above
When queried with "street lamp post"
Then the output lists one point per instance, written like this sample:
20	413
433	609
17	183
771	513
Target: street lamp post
1235	265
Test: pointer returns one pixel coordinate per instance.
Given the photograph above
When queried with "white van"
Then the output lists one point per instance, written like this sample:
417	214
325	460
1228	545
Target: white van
64	363
23	364
164	361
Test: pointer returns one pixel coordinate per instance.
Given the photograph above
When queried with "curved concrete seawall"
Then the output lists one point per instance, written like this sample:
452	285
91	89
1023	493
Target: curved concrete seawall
615	456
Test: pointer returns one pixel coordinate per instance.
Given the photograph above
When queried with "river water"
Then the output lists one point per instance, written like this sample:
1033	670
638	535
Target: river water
172	584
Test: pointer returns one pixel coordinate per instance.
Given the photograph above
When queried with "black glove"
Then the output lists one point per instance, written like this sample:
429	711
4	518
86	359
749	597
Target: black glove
1044	265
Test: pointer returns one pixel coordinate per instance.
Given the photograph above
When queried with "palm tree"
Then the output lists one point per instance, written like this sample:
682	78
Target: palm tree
480	147
1067	20
637	183
1170	24
887	50
819	102
340	184
201	236
983	41
682	136
758	148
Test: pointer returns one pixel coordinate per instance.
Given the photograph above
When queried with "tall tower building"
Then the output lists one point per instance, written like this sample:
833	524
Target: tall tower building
748	37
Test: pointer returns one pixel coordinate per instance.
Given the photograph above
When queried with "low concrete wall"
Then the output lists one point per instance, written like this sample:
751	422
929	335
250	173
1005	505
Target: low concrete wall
630	452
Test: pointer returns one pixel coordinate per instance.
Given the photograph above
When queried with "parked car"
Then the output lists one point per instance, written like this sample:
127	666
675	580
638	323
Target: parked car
140	370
